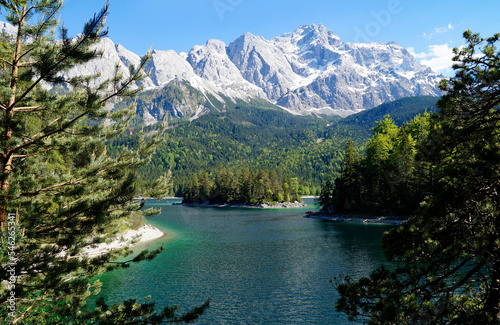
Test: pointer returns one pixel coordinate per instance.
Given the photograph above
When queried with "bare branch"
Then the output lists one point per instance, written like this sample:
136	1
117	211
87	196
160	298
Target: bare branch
22	316
26	109
6	62
33	154
26	64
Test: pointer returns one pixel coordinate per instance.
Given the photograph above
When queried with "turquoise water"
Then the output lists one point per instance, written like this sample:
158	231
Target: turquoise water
257	266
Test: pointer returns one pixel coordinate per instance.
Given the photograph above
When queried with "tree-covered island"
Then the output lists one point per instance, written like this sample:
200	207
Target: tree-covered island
244	187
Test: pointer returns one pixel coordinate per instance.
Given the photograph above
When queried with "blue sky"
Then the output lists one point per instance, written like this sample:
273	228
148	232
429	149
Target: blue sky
429	28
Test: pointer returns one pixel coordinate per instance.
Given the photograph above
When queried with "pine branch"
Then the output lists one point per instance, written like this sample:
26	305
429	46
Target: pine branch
6	62
39	231
95	22
54	11
73	217
50	188
22	316
46	135
133	78
27	64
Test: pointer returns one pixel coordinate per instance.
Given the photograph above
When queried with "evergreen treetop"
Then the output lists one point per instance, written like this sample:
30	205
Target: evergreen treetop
445	260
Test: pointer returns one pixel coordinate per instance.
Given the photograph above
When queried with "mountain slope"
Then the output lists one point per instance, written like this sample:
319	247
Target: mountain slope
401	111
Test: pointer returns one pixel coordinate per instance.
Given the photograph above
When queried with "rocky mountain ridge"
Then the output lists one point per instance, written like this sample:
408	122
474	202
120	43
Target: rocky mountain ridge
308	71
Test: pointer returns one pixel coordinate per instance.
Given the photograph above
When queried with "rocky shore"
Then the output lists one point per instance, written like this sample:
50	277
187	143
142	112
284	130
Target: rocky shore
374	220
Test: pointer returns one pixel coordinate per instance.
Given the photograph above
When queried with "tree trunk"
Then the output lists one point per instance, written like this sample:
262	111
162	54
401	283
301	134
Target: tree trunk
8	152
492	304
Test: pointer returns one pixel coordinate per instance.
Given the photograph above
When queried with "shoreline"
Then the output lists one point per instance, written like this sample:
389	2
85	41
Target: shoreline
130	237
284	205
375	220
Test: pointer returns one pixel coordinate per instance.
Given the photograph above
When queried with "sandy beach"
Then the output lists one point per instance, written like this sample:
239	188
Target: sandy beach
141	235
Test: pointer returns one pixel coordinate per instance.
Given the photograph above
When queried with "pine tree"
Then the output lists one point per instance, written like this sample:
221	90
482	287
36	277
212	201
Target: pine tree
446	259
378	153
294	187
244	186
205	188
276	186
325	199
60	189
347	185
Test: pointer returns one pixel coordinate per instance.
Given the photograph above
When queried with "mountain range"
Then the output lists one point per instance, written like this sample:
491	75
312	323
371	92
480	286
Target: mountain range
308	71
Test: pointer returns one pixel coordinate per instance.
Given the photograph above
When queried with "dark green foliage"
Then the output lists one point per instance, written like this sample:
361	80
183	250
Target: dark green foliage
132	312
445	261
391	178
60	188
243	187
325	199
262	137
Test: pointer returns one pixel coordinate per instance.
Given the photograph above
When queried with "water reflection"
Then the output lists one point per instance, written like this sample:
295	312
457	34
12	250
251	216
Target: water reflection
257	266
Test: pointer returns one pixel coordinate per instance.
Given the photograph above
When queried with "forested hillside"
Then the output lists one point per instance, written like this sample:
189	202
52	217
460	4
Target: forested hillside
308	148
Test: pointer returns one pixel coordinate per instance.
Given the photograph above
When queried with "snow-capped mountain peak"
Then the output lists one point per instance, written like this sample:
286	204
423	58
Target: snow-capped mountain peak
308	71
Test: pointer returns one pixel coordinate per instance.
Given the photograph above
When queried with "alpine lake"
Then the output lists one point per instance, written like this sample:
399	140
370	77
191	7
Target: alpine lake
257	266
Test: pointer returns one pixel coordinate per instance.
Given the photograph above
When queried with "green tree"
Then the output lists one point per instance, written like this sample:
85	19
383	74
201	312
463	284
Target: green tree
244	186
192	193
205	188
378	153
326	196
294	188
276	187
401	177
347	191
446	259
60	189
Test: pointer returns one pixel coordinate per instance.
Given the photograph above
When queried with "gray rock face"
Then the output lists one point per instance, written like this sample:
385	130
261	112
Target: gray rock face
308	71
211	63
312	70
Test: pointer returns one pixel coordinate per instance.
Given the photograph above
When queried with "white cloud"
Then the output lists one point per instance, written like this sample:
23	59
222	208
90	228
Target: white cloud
439	58
441	30
428	36
416	55
438	30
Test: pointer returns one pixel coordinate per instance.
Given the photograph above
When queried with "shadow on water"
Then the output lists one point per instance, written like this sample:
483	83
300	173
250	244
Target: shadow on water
359	244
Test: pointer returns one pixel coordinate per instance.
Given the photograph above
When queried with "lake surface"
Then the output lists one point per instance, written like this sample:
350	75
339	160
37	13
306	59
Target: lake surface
258	266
